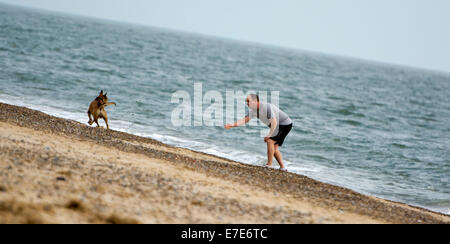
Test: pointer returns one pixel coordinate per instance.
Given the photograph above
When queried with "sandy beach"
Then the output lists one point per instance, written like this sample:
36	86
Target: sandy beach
54	170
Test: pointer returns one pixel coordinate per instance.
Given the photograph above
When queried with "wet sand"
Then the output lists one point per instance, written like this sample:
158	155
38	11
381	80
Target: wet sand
54	170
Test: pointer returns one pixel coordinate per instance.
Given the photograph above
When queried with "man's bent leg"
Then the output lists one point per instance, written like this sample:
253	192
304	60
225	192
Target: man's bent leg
278	156
270	151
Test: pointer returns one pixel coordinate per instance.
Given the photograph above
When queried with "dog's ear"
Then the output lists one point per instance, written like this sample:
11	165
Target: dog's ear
105	94
101	92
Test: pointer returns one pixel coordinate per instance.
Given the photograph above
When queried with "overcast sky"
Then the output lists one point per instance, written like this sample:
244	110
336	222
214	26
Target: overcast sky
409	32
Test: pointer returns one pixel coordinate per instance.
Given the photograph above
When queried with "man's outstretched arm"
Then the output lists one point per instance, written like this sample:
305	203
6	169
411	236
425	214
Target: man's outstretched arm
238	123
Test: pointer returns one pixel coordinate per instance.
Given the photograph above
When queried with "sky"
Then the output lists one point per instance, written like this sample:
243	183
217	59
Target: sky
407	32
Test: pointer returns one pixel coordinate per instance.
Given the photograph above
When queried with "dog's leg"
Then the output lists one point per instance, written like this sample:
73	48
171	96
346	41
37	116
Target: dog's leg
105	118
110	103
106	121
96	121
90	119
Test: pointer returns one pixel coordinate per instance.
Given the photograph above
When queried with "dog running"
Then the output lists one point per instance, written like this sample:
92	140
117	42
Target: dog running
97	109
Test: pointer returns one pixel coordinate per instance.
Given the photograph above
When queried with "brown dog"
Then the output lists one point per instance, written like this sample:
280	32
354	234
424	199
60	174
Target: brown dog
97	109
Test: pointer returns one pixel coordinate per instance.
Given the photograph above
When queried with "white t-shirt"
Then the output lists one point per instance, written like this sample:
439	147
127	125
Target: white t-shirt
267	111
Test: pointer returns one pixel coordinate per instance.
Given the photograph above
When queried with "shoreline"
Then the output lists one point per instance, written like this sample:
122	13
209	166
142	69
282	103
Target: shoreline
49	175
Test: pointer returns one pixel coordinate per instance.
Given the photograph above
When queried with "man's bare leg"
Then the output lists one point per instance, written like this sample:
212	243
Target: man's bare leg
270	151
278	156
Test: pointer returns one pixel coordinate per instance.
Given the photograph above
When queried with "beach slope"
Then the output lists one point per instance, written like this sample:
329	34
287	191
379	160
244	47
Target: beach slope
54	170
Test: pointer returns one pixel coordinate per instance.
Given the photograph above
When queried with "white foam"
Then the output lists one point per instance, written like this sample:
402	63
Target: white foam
234	154
39	104
253	158
229	153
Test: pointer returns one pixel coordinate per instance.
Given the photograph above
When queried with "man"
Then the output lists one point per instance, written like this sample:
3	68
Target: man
279	122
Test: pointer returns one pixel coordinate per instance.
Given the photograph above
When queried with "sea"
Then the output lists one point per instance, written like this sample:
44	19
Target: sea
376	128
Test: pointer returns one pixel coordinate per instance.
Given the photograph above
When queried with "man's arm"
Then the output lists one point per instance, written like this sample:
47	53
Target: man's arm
273	126
238	123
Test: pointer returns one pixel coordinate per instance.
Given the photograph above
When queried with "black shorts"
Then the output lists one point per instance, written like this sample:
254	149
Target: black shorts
283	131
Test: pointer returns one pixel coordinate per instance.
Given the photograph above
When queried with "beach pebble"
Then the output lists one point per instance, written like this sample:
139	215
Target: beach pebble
176	193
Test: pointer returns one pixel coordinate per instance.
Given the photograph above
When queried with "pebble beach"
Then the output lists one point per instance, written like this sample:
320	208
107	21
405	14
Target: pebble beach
54	170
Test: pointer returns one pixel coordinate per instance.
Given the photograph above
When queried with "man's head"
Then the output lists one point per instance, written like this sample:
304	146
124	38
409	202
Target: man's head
252	101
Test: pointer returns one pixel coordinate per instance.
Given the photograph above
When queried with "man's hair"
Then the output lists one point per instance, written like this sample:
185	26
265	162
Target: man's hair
254	97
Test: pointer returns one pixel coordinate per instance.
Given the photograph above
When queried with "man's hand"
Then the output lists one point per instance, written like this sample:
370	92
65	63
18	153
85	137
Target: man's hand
228	126
237	123
266	138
